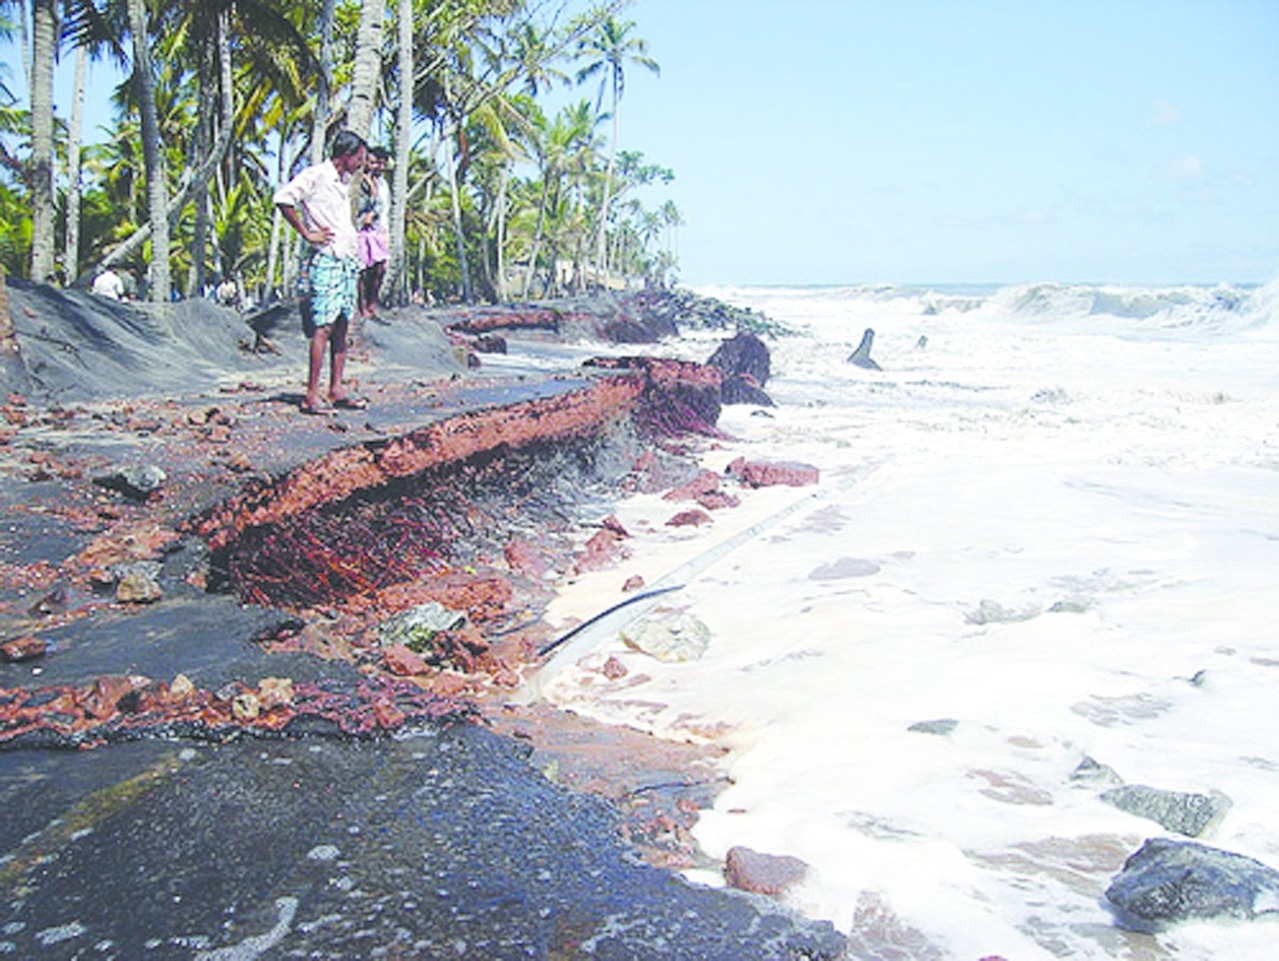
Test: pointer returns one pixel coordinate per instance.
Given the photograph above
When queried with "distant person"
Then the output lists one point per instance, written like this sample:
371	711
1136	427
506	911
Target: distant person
109	284
371	218
317	204
228	293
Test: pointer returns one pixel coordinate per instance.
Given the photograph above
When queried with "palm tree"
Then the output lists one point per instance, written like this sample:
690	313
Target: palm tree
569	138
610	48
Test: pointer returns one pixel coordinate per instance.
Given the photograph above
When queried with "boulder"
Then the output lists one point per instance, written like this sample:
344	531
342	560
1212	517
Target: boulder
773	874
1170	881
416	628
1186	813
743	353
770	473
741	389
672	639
136	481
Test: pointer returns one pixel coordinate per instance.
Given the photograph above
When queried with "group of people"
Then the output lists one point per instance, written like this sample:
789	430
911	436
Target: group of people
346	260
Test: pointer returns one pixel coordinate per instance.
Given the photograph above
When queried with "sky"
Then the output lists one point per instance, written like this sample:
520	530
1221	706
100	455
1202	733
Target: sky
930	141
935	142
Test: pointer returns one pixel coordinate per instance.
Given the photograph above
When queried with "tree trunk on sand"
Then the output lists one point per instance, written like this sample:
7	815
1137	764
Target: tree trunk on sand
153	159
43	208
71	250
368	67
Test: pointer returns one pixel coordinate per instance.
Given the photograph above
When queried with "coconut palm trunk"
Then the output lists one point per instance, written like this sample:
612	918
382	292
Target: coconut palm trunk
152	158
396	282
43	210
320	119
71	248
368	67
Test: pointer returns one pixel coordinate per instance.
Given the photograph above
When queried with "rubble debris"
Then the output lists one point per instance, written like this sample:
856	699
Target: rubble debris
125	708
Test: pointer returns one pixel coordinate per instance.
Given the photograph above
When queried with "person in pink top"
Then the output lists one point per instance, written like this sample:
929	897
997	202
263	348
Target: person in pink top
317	204
374	210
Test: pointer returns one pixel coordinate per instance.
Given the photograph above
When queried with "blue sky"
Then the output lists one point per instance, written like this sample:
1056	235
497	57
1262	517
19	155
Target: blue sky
845	141
956	141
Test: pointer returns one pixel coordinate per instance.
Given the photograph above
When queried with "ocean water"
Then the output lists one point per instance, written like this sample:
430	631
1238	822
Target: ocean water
1052	518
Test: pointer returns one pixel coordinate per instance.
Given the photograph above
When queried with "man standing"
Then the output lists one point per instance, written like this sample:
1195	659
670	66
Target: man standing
375	210
318	206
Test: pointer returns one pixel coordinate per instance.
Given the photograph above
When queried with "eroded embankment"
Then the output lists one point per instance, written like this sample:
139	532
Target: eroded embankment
471	512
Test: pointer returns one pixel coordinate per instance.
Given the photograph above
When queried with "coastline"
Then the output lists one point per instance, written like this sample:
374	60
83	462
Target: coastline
235	456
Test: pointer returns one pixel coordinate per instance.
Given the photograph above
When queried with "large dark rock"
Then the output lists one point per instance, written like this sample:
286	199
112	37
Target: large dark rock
745	361
743	354
1170	881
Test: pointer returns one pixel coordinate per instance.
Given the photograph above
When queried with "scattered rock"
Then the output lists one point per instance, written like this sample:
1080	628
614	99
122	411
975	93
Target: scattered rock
941	725
672	639
275	692
1186	813
1091	771
245	706
773	874
22	649
52	603
138	583
611	523
705	482
524	558
772	473
1169	881
633	583
400	660
614	669
416	628
693	518
182	688
602	550
138	481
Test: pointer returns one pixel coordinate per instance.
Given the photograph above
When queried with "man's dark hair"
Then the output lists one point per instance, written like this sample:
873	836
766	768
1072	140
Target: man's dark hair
380	152
345	143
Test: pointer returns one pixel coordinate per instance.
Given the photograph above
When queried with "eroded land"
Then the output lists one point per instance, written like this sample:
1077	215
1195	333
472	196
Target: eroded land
257	677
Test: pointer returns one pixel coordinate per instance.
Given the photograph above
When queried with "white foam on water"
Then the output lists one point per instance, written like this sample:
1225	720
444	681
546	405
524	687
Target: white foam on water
1056	523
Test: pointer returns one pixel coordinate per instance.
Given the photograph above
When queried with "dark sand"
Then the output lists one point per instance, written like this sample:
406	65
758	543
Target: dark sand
422	839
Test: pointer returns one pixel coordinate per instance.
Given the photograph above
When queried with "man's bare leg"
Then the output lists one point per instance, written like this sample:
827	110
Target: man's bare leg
319	347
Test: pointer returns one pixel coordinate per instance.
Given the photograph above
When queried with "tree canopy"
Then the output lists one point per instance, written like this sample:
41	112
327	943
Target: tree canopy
495	195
